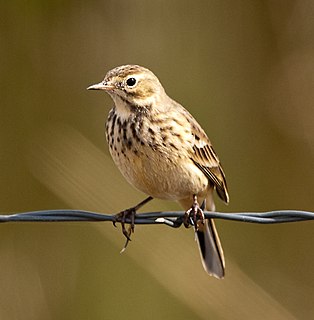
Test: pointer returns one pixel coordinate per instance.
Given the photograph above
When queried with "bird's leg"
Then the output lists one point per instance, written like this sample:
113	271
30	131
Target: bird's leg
129	213
195	213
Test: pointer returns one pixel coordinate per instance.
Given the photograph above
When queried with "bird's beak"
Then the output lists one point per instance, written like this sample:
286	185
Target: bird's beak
101	86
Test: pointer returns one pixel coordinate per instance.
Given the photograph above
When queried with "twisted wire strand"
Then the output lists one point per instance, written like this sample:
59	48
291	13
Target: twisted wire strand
171	218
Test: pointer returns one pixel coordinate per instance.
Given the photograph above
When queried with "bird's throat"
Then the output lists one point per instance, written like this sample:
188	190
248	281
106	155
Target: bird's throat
123	108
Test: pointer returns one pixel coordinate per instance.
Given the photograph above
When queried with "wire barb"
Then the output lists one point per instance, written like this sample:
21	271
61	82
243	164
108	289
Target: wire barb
173	219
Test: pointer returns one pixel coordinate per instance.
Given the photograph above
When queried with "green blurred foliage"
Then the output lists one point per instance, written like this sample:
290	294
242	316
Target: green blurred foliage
243	68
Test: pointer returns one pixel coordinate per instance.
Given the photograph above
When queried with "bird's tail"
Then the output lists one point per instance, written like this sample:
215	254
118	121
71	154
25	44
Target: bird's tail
209	244
212	255
210	248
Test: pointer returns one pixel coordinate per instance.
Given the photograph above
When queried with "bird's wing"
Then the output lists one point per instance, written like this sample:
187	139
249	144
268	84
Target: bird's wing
206	159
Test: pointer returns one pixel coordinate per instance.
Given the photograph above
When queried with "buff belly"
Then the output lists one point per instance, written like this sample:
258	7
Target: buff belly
162	177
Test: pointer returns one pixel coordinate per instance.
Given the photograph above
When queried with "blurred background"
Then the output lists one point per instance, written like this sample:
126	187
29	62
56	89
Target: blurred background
245	70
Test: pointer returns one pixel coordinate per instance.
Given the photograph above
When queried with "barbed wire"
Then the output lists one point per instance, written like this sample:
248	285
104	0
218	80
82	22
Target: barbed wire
172	218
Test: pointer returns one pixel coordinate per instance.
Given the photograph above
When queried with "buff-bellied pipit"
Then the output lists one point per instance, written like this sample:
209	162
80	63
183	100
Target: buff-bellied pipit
161	150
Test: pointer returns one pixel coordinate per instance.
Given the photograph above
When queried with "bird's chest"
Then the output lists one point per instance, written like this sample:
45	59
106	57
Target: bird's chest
153	156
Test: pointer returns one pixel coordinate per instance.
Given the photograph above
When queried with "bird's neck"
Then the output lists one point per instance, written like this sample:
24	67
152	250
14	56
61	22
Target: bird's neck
126	109
123	107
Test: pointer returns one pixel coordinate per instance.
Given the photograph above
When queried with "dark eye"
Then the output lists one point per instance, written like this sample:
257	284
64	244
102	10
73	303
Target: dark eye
131	82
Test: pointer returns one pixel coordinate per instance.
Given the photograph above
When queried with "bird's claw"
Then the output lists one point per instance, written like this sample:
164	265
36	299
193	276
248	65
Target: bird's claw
130	213
194	216
122	217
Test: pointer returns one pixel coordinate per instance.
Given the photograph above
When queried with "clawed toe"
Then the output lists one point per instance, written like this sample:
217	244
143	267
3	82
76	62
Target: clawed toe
122	217
195	215
130	213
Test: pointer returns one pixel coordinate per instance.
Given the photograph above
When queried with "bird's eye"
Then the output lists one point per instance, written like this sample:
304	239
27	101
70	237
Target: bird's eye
131	82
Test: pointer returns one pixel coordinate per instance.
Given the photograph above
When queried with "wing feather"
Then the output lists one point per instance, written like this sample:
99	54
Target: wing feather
206	159
204	156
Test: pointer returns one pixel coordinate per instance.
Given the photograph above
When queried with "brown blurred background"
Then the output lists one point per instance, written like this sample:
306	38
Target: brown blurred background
245	69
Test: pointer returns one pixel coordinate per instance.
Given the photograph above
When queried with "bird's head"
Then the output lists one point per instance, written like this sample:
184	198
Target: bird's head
133	85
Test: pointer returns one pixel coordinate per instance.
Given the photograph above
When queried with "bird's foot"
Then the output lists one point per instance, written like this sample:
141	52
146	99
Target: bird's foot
195	215
128	214
122	217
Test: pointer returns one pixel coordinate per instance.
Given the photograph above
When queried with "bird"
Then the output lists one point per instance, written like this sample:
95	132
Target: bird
161	150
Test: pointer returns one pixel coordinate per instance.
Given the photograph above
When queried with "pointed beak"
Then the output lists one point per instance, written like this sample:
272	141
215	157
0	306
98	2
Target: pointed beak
101	86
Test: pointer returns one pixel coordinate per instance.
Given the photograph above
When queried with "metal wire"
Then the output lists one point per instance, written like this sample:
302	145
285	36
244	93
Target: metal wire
173	218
